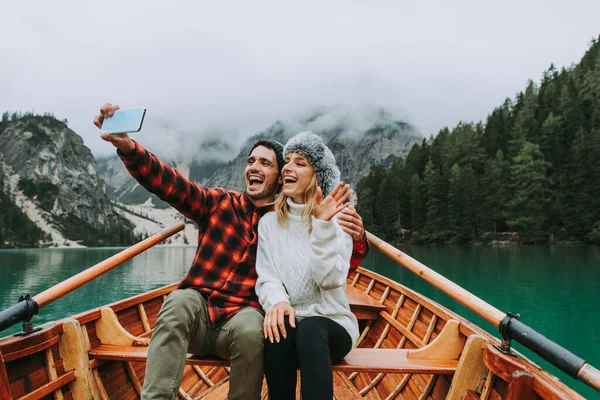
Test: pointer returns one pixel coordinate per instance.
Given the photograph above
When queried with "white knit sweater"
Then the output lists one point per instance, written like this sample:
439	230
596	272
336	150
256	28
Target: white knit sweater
306	270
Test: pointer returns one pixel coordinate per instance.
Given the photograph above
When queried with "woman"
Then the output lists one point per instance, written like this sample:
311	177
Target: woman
302	264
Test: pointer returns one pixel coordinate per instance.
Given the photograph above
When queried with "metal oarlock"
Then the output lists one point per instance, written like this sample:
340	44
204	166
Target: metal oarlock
505	346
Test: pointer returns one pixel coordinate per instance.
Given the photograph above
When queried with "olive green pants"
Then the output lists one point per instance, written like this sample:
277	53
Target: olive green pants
183	326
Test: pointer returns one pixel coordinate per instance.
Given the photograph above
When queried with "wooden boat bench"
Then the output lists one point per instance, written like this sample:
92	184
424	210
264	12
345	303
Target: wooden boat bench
359	360
438	357
362	305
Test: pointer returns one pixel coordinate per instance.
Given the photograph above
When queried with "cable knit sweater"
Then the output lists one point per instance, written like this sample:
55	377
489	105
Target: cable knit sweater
308	271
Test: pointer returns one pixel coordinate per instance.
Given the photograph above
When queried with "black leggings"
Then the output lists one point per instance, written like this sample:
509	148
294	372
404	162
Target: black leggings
315	344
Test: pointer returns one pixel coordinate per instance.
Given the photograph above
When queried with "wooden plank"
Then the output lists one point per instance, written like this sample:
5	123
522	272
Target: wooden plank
4	385
133	377
355	279
443	313
343	389
441	388
399	387
203	376
361	360
218	392
398	305
12	344
504	366
520	387
52	375
428	388
471	395
364	333
413	319
368	290
430	329
409	335
86	338
362	314
392	360
31	350
373	383
184	395
363	306
471	371
73	351
101	388
146	334
140	353
50	387
487	386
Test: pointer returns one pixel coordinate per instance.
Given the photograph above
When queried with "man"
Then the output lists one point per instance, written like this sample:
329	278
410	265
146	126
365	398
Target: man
215	309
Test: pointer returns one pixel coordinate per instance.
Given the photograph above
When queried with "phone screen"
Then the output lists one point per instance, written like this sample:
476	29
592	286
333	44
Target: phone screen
124	121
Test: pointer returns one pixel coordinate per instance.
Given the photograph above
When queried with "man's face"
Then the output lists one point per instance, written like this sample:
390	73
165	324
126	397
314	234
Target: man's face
262	175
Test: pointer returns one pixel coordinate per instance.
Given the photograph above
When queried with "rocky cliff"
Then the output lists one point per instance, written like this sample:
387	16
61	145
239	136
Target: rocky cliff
51	176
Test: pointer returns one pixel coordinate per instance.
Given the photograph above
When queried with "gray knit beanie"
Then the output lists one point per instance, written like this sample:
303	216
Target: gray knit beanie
318	154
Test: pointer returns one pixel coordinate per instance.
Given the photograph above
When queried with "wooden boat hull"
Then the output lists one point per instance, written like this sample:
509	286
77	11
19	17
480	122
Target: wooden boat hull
431	353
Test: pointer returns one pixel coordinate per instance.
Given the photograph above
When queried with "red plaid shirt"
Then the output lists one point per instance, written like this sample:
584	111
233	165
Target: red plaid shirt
223	269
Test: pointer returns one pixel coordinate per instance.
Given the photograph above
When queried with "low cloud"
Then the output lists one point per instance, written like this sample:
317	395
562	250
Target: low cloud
228	70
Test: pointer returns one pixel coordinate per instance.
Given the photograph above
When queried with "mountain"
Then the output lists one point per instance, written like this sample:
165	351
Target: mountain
54	193
379	140
49	176
357	141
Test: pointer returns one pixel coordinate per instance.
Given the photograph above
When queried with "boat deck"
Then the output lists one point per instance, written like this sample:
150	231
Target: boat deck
409	348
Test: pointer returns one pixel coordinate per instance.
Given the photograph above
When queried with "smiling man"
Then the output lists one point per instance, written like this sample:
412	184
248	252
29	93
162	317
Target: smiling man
215	309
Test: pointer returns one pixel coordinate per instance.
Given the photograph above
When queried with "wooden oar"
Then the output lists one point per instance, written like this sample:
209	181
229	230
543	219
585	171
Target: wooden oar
544	347
25	309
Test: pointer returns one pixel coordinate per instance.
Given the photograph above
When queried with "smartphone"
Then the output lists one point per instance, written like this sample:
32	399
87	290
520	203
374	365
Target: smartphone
124	121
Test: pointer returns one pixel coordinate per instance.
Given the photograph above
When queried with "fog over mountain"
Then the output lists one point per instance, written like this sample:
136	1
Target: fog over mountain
229	70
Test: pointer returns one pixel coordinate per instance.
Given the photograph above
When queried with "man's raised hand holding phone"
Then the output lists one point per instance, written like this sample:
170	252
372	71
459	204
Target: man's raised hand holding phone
121	141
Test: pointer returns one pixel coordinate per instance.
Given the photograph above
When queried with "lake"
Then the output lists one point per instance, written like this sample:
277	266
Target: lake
556	289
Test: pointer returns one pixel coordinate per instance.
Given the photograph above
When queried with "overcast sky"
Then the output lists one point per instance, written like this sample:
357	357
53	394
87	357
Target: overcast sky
232	68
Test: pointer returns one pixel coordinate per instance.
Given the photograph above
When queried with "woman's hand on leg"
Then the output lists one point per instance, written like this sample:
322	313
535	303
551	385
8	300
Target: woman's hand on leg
274	325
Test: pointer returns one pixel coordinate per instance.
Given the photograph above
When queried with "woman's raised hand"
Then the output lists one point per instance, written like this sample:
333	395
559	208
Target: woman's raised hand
325	209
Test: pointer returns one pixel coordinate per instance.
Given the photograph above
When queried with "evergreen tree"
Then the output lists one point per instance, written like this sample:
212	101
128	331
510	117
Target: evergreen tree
436	200
585	182
417	204
497	129
531	167
390	199
494	191
454	206
469	199
530	192
525	127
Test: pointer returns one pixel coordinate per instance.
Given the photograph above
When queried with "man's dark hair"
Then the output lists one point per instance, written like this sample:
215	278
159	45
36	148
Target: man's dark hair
273	145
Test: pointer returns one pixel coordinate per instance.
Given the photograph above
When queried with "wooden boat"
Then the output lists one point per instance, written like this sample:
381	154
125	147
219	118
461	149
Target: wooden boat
409	348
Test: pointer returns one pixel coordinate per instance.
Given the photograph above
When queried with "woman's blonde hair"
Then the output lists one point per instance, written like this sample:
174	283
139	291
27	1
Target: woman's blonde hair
310	194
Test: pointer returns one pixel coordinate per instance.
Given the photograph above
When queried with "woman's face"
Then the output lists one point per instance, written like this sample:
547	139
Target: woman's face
296	173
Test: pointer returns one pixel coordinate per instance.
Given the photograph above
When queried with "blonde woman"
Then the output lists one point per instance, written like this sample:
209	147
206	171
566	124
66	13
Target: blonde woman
302	264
